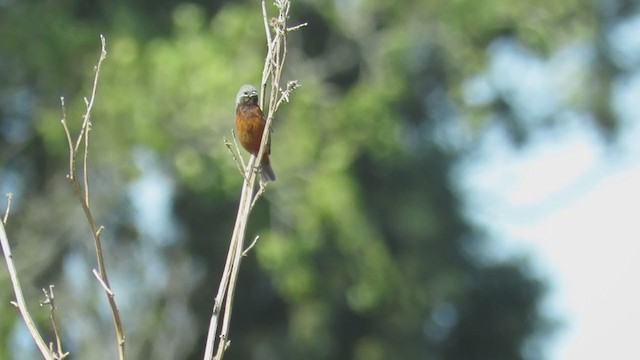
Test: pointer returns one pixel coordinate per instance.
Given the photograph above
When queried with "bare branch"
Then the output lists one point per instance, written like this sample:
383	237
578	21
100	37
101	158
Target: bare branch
17	290
89	103
49	299
276	30
82	193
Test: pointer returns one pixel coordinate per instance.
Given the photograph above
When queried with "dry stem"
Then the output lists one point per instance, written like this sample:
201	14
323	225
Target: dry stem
276	31
83	195
236	158
20	303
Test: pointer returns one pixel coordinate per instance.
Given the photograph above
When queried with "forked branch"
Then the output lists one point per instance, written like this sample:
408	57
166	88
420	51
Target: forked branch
83	195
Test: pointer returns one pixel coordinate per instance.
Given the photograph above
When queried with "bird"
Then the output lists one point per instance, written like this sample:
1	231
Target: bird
250	124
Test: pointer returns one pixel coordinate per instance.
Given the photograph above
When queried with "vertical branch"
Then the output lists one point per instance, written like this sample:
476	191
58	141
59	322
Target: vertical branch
82	193
68	135
276	31
278	52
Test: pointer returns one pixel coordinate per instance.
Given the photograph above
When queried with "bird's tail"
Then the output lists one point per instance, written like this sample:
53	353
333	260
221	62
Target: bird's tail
267	172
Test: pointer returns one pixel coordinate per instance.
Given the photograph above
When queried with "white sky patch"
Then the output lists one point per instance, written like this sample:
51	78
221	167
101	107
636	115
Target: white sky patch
576	209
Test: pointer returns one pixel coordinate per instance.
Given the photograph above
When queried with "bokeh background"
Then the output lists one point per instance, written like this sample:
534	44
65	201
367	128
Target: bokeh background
456	179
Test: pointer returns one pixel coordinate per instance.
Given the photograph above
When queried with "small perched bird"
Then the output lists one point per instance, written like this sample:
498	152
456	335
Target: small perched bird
250	123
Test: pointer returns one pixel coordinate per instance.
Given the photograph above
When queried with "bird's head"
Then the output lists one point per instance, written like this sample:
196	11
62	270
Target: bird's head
247	94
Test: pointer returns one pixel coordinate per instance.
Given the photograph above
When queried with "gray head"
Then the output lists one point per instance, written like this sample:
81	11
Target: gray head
247	94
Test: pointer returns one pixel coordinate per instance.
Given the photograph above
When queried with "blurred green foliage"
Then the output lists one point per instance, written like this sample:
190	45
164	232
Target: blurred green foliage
365	252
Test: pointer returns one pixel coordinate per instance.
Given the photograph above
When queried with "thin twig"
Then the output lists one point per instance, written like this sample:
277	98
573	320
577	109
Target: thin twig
69	141
99	231
261	190
255	241
17	290
6	212
237	155
86	122
235	143
85	159
265	21
49	299
101	281
297	27
266	71
233	155
86	125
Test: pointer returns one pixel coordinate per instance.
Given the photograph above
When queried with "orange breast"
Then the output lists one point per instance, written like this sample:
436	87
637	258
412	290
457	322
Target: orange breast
249	127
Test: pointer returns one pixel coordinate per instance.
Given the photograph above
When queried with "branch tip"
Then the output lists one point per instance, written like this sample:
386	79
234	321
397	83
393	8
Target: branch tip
8	209
244	253
297	27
